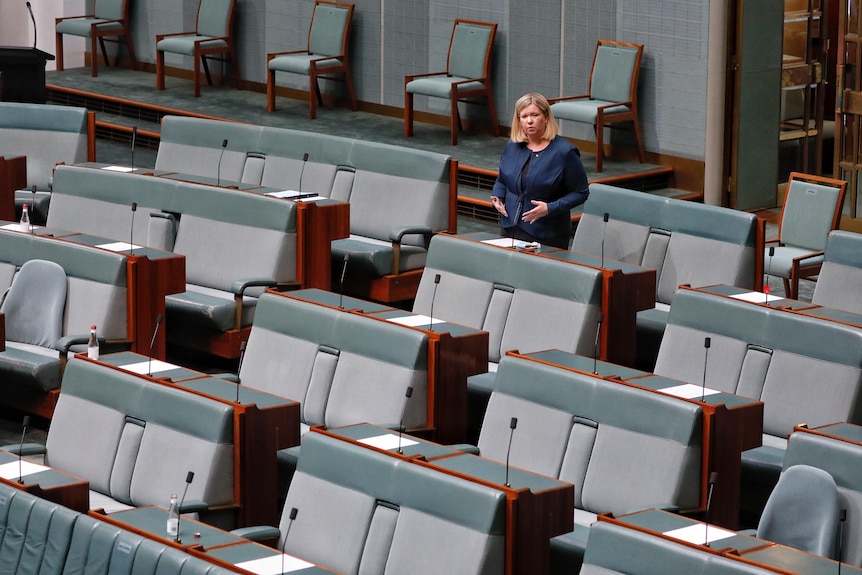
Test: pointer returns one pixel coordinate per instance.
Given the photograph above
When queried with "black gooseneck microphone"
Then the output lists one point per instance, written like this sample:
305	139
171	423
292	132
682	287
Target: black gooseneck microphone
341	282
293	513
159	319
33	204
189	477
24	426
842	517
766	284
33	19
713	477
605	217
599	321
433	297
302	171
220	156
134	138
408	394
513	423
132	229
706	343
242	347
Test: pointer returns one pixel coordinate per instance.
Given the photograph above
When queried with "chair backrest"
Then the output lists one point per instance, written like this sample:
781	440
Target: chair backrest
34	304
470	49
812	208
330	28
615	71
215	17
842	269
802	511
111	9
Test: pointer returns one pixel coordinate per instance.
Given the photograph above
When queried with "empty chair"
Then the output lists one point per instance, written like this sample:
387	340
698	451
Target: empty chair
841	273
613	95
467	75
328	38
109	18
213	35
812	208
802	511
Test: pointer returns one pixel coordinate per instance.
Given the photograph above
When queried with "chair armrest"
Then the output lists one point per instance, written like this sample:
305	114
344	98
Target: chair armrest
25	449
799	259
411	77
193	506
272	55
65	343
58	20
564	98
258	532
162	36
239	286
396	235
465	447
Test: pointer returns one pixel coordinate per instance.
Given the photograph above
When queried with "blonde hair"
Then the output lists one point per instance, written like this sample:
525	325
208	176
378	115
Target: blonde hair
551	127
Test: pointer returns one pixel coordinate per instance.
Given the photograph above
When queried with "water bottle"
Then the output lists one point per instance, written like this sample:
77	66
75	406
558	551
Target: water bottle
93	344
25	219
173	517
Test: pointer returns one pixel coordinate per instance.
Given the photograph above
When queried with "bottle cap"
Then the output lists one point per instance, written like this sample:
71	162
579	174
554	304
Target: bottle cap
92	327
25	206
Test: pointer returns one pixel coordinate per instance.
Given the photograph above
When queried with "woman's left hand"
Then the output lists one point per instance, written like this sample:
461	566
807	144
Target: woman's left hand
540	210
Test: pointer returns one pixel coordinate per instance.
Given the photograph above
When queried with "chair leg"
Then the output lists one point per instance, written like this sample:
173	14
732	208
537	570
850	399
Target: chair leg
313	94
160	70
638	140
235	69
58	44
203	60
454	120
600	147
788	293
198	58
492	111
408	114
130	46
348	79
270	91
94	56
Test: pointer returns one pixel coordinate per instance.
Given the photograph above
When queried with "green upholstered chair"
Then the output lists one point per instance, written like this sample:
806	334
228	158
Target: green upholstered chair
467	75
213	35
613	96
109	18
327	54
812	208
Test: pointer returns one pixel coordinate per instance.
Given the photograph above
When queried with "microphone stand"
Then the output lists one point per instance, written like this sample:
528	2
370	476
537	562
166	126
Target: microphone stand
341	283
159	319
706	343
596	344
26	423
712	479
242	347
766	287
433	297
605	217
408	394
132	229
189	477
293	513
33	19
513	423
218	167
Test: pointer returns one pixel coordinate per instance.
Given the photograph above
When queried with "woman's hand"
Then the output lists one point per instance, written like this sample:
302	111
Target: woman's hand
539	211
499	206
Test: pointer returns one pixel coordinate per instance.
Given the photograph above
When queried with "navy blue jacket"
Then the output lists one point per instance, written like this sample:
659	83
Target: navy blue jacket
556	176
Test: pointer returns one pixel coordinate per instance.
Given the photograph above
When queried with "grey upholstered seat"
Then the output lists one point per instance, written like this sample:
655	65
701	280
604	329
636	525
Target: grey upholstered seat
841	273
34	304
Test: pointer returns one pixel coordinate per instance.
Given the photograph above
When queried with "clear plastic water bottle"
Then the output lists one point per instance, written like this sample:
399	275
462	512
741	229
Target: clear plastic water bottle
25	219
173	517
93	344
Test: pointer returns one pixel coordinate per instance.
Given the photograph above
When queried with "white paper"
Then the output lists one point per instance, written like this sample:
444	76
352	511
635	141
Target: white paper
388	441
509	243
699	534
119	168
119	246
283	194
143	367
274	564
312	199
756	297
11	470
17	227
415	320
689	391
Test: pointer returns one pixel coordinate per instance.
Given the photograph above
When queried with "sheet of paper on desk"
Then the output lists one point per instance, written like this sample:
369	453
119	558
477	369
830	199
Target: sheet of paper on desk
119	168
16	227
274	564
699	534
509	243
415	320
143	367
283	194
312	199
689	391
756	297
388	441
12	471
119	246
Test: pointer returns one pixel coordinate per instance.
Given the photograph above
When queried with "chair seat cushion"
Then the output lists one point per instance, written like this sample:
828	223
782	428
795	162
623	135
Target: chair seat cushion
567	550
207	307
369	256
186	44
301	63
780	263
82	26
583	110
439	86
31	366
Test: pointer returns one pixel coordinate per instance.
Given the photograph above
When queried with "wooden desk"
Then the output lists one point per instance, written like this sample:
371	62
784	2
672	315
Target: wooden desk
537	507
455	352
626	290
13	176
732	424
263	424
46	482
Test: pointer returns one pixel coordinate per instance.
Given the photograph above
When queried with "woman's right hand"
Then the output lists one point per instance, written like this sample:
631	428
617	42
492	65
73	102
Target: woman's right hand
499	206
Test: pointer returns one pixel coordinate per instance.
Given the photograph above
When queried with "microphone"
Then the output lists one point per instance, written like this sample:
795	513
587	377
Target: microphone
433	297
189	477
33	203
341	283
706	343
766	287
605	217
712	479
242	347
218	168
513	423
33	19
134	137
842	517
20	449
153	342
301	171
132	229
408	394
596	344
293	513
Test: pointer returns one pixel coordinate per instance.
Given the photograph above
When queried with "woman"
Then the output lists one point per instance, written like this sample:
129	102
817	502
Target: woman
541	177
